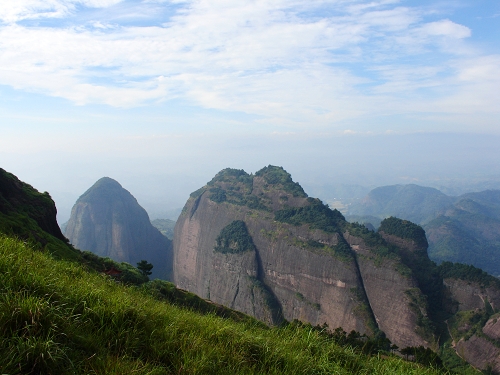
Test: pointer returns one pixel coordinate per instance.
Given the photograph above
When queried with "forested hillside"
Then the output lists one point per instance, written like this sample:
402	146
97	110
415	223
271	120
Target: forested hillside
464	229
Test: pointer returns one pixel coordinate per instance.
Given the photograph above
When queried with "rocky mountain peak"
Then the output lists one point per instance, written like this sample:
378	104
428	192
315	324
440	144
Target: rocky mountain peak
106	189
257	243
109	221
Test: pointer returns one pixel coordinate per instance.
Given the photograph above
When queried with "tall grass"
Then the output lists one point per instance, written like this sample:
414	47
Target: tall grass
57	318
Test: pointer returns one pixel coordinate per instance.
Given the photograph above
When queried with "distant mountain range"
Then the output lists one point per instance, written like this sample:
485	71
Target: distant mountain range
462	229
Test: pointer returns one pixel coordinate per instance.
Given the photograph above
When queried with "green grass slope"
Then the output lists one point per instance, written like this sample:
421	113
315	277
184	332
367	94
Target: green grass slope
58	318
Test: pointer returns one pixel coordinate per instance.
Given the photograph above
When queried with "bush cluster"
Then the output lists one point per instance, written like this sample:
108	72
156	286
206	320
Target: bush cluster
404	229
234	238
316	214
277	175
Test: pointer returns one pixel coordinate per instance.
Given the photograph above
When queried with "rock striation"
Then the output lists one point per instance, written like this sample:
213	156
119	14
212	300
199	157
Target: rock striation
301	260
108	221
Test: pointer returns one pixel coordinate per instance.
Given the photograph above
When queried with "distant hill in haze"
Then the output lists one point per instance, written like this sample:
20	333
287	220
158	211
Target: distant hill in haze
108	221
165	226
416	203
463	229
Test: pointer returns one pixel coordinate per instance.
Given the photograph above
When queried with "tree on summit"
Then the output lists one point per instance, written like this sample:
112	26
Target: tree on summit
144	267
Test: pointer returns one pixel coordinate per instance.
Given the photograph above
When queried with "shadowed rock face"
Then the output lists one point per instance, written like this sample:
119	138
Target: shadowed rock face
19	197
108	221
307	262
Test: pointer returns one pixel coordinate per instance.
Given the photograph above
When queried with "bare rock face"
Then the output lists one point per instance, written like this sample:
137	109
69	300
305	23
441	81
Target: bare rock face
475	327
480	353
304	260
397	302
492	328
471	295
108	221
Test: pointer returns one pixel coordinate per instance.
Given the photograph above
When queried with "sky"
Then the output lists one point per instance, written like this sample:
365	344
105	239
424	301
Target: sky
162	94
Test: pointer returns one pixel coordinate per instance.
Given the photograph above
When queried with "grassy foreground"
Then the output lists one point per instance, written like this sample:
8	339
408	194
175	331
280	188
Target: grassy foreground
57	318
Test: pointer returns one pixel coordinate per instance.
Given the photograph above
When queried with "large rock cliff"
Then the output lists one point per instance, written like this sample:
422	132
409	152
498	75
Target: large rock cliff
300	259
108	221
473	325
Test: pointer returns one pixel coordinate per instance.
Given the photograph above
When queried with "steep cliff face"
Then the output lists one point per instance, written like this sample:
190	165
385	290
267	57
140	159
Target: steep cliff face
305	262
108	221
395	298
472	295
480	353
478	346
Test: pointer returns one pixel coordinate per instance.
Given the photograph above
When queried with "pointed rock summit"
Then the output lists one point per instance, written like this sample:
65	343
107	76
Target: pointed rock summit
108	221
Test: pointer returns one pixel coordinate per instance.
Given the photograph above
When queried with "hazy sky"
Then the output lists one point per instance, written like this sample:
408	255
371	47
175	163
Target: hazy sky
161	95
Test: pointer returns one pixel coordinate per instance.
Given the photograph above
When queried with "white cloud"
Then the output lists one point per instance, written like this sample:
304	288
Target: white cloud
287	61
13	11
447	28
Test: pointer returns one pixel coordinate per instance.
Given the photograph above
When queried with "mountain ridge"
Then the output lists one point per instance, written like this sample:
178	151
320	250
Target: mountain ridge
463	229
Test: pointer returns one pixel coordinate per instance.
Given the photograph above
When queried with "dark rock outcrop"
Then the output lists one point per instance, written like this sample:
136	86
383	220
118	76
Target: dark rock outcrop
27	214
17	197
108	221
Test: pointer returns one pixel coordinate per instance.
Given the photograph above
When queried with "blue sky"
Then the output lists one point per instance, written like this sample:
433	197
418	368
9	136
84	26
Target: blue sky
161	95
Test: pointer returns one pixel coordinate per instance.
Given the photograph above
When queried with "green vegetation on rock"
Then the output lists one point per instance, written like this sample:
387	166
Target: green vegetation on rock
468	273
217	195
30	215
277	175
316	214
129	275
404	229
342	251
233	186
465	324
378	246
232	175
418	303
234	238
195	194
